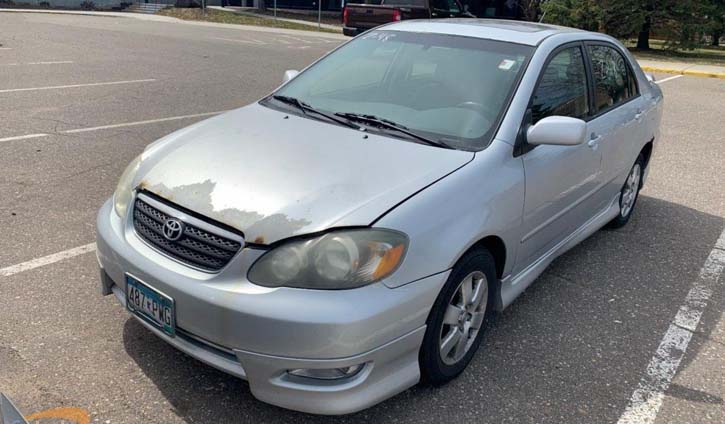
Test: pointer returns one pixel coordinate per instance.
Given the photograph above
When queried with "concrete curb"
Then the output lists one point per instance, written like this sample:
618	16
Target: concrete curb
690	72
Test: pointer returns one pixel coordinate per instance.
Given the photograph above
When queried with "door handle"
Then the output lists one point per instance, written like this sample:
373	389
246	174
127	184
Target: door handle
594	141
638	115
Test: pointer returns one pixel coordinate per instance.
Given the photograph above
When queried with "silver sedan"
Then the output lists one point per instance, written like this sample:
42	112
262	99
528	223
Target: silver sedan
350	234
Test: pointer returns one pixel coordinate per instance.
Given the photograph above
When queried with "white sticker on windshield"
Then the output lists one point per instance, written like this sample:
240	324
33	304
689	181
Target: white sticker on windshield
506	64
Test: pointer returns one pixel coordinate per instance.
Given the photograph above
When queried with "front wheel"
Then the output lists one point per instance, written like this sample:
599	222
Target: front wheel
458	317
629	194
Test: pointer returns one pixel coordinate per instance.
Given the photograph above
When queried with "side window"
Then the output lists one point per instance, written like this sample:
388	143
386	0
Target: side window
612	80
562	89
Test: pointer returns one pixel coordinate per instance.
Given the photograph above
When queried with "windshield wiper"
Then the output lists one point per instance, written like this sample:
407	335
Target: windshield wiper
305	108
391	125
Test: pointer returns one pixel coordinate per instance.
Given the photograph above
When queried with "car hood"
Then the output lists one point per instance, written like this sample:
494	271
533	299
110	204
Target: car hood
274	175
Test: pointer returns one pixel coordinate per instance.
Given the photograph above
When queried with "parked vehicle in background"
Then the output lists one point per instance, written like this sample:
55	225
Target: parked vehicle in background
361	15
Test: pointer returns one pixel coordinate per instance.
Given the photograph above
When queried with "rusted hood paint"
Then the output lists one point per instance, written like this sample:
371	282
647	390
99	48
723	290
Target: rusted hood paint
273	175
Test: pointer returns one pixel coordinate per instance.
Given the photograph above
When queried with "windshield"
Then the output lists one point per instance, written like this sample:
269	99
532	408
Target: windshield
448	88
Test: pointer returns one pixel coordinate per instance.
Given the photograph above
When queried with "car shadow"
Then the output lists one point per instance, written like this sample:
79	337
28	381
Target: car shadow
571	348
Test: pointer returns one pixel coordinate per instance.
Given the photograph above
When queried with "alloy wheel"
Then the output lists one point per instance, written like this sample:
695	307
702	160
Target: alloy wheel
463	317
629	192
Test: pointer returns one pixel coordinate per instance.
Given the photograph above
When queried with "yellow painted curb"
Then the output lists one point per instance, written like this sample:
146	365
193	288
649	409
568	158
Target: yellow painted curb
693	73
704	74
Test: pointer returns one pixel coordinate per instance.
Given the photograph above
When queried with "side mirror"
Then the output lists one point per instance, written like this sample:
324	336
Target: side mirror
558	131
288	75
650	77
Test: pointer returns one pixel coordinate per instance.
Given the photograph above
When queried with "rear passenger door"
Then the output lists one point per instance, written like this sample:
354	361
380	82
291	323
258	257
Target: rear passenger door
617	112
562	182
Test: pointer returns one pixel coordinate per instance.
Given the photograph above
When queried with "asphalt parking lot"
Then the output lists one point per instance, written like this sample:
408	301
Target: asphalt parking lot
81	96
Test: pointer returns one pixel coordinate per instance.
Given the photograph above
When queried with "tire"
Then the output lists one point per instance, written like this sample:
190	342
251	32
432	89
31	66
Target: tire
629	194
437	369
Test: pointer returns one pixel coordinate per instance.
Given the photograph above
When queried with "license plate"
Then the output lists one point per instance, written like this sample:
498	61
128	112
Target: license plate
151	305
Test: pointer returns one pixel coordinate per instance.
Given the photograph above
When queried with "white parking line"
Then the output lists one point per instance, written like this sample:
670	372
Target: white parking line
297	39
235	40
93	84
668	79
23	137
647	399
47	260
148	121
112	126
55	62
306	40
6	48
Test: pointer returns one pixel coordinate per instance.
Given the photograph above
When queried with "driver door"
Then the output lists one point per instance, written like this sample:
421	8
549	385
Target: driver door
561	181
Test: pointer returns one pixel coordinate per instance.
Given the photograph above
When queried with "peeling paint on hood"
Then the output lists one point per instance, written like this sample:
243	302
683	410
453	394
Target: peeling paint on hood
273	175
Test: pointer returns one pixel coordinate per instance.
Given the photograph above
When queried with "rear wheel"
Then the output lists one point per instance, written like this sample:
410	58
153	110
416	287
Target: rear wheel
629	194
458	318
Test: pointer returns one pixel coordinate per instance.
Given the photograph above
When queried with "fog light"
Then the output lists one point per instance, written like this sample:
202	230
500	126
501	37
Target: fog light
327	373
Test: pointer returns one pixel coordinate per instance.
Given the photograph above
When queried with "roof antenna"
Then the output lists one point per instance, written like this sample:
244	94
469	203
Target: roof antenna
541	19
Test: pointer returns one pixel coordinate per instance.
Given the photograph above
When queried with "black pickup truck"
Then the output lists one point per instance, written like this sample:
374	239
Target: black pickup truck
361	15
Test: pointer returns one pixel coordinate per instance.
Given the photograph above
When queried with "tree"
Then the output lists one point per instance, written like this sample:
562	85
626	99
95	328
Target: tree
681	22
643	19
583	14
531	9
715	26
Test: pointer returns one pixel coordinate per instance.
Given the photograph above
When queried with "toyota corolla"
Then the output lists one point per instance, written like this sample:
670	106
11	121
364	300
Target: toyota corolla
350	234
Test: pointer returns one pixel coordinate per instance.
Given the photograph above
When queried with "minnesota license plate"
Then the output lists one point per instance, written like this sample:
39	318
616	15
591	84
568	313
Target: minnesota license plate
150	304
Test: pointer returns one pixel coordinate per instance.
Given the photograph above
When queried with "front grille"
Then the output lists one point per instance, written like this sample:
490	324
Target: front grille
197	247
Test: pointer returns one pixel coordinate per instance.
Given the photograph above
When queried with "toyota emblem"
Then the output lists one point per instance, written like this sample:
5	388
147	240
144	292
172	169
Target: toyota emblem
173	229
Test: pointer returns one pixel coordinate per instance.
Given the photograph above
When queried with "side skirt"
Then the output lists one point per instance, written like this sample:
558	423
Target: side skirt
513	286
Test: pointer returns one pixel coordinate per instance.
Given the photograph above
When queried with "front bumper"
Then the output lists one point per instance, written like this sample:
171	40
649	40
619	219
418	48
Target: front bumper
259	334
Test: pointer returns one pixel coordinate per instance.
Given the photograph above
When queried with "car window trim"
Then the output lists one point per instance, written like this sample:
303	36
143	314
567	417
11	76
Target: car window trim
520	146
630	71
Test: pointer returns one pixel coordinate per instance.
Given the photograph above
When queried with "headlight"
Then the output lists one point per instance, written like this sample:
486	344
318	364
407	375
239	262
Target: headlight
337	260
124	190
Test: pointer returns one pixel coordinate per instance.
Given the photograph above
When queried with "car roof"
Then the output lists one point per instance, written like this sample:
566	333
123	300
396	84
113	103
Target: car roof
529	33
